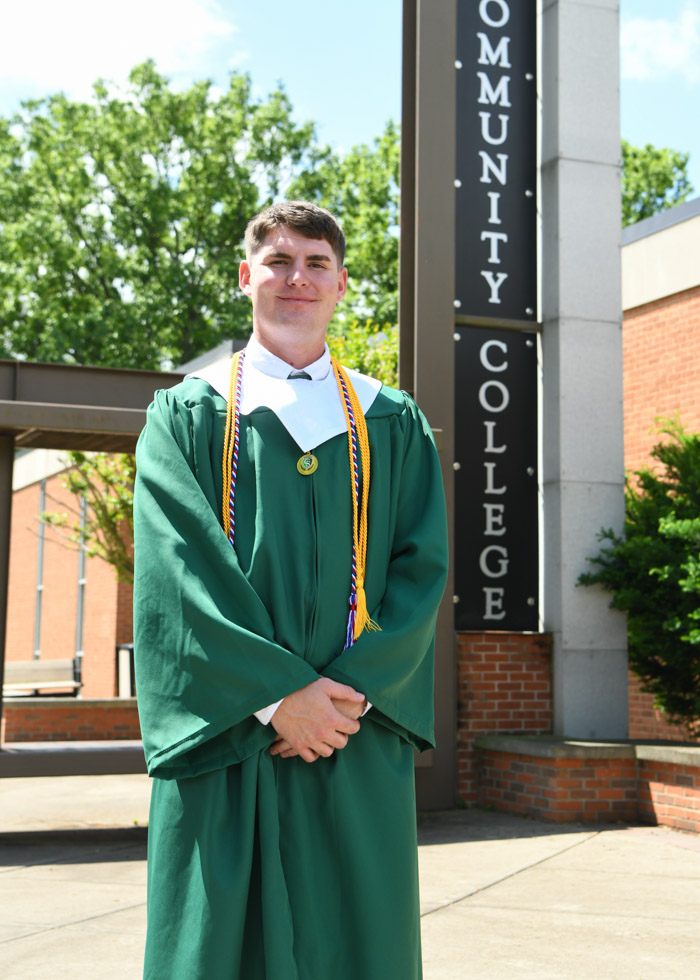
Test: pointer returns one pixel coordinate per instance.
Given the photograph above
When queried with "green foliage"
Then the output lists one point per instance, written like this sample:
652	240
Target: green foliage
653	180
121	230
362	189
367	347
106	483
653	572
122	218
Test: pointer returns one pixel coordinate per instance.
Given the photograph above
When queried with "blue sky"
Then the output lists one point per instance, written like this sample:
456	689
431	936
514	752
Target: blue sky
660	76
340	61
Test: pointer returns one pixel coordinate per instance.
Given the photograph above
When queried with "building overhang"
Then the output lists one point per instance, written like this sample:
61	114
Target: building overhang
60	406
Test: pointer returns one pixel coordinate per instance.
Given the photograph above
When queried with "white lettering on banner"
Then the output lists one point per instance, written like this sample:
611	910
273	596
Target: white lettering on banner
494	397
502	391
486	128
495	282
489	94
494	237
499	170
492	56
494	520
490	486
493	600
486	360
489	447
484	12
494	53
501	568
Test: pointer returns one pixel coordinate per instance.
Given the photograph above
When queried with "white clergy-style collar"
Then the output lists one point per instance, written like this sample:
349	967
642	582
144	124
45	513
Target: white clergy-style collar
274	367
310	410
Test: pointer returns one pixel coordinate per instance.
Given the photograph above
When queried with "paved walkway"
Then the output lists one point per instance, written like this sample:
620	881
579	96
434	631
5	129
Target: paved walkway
503	898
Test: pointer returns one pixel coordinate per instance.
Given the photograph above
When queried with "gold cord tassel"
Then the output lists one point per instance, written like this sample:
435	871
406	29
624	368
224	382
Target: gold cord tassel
359	522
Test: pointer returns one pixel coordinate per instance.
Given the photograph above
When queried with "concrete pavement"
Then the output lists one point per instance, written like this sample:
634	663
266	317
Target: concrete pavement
502	897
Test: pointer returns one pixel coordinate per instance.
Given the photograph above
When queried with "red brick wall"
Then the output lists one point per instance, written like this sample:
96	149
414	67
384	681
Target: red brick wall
68	719
125	613
504	686
107	610
21	592
661	358
559	789
99	672
624	785
648	723
669	794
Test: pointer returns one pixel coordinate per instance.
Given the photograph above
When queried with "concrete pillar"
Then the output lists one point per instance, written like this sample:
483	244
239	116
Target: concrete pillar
7	453
583	475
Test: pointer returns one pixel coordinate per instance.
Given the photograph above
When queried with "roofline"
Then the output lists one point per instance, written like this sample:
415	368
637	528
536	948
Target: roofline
217	353
659	222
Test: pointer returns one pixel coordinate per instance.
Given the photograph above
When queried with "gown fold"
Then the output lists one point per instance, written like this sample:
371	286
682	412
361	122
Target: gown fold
263	867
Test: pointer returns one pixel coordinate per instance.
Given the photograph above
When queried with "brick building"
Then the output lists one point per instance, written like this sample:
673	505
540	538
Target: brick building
661	327
61	604
661	358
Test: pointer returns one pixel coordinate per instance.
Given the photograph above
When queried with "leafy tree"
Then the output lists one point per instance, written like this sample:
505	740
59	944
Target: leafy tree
367	347
105	482
361	187
653	572
121	227
653	180
121	219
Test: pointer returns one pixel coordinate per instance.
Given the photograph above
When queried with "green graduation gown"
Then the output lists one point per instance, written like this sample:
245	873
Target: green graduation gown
259	866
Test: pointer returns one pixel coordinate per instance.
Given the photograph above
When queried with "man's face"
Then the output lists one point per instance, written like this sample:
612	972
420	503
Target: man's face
294	284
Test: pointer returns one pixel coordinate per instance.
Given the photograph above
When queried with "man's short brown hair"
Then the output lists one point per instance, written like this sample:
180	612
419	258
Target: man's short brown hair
301	216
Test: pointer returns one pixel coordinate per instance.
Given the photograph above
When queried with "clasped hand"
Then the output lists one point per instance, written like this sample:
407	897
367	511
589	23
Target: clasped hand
316	720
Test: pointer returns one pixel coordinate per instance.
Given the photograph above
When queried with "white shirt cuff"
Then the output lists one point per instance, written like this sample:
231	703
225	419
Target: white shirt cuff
264	716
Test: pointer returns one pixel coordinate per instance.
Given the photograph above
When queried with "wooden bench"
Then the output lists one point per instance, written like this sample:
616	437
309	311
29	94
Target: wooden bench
32	676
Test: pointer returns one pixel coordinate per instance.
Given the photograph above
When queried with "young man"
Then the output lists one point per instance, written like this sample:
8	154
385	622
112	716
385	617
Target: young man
290	559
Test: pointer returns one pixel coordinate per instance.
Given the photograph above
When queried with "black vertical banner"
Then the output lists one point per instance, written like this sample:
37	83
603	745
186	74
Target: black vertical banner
496	486
496	166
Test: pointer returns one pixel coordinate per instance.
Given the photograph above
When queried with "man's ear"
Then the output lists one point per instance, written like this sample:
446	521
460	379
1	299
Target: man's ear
244	277
342	283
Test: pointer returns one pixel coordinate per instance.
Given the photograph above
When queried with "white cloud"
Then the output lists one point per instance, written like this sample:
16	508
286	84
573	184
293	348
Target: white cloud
65	45
655	48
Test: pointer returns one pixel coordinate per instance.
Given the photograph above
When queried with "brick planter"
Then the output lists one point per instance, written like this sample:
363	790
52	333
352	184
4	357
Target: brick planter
558	780
69	719
565	780
669	786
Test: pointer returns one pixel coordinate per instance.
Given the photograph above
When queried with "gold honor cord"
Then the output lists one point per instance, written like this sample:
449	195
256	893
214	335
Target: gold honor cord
355	421
359	526
230	438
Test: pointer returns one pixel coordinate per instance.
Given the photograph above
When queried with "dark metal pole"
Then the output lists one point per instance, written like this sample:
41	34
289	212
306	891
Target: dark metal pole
433	335
407	180
7	453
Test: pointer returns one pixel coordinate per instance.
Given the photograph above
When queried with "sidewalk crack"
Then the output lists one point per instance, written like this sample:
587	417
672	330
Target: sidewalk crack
71	922
513	874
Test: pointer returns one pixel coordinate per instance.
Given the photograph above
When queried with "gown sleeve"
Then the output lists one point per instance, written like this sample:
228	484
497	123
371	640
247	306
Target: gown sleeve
394	667
205	652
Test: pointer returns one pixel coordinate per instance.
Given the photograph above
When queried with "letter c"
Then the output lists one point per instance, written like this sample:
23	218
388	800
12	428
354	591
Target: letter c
484	355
